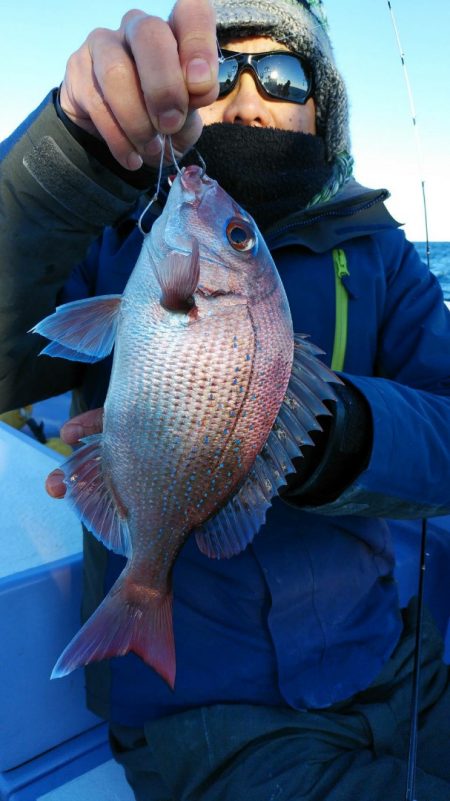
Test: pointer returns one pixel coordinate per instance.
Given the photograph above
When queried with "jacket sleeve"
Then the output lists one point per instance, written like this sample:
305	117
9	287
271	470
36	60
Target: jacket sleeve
55	200
408	472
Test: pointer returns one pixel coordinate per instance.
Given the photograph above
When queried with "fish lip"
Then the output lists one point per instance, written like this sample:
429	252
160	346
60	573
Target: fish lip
193	174
196	185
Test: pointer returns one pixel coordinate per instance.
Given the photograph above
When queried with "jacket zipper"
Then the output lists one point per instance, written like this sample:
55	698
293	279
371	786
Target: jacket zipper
341	324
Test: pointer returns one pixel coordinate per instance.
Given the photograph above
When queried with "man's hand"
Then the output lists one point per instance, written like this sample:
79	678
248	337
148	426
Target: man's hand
75	429
146	78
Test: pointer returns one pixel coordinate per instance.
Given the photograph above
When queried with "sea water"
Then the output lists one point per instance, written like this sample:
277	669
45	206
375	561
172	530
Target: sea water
439	262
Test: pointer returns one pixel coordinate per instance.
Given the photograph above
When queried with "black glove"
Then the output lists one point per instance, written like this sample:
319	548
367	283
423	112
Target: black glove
340	453
144	178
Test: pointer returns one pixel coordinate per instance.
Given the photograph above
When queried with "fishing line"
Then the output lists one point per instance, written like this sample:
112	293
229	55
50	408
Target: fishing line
158	184
172	153
162	140
413	738
161	164
219	51
201	160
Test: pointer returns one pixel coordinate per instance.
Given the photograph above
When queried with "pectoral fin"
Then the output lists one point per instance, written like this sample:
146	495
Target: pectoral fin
178	276
83	331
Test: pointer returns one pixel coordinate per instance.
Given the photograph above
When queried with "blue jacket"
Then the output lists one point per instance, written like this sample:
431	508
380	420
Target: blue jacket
308	614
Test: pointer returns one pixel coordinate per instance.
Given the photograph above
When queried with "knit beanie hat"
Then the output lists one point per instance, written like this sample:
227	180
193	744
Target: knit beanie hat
302	26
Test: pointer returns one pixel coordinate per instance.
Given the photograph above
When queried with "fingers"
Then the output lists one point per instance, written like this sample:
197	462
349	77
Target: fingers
83	425
146	78
101	93
55	484
186	137
164	92
193	23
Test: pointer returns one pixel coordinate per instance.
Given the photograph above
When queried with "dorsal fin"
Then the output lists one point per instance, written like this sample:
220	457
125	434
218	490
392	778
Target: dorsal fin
234	527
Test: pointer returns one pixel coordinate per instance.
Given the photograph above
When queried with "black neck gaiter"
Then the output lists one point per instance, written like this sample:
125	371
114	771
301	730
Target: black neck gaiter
269	172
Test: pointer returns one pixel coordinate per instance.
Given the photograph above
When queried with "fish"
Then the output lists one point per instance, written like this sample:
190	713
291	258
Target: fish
211	397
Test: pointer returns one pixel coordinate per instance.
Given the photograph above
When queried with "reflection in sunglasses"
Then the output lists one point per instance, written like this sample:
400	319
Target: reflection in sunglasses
282	75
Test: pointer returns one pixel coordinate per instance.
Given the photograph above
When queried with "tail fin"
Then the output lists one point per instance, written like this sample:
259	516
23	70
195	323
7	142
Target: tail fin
131	618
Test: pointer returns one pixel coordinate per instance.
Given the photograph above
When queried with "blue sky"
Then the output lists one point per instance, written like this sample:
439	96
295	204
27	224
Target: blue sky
37	39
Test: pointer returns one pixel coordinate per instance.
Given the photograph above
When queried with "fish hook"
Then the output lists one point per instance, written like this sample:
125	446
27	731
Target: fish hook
199	156
158	185
161	163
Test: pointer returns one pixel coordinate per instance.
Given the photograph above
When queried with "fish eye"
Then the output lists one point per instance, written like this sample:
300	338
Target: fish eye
240	234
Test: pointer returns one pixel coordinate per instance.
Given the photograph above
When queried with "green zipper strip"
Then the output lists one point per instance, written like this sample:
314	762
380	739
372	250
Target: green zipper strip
341	326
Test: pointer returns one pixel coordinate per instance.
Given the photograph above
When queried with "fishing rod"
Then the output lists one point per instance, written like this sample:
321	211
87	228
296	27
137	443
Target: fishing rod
415	694
416	129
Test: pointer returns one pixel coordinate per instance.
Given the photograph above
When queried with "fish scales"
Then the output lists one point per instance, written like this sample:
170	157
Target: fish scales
179	403
203	356
182	409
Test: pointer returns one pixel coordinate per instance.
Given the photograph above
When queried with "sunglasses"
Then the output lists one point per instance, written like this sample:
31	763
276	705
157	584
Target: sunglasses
285	76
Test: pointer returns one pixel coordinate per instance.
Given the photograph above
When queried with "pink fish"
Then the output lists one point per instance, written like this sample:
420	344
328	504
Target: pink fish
210	398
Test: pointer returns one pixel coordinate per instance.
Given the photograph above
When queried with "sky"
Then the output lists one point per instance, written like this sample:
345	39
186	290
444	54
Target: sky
37	39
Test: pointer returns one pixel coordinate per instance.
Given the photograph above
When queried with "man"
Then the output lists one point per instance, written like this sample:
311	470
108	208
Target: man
294	661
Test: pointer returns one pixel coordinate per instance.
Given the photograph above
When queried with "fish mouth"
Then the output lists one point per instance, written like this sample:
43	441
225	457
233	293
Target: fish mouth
196	184
193	177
